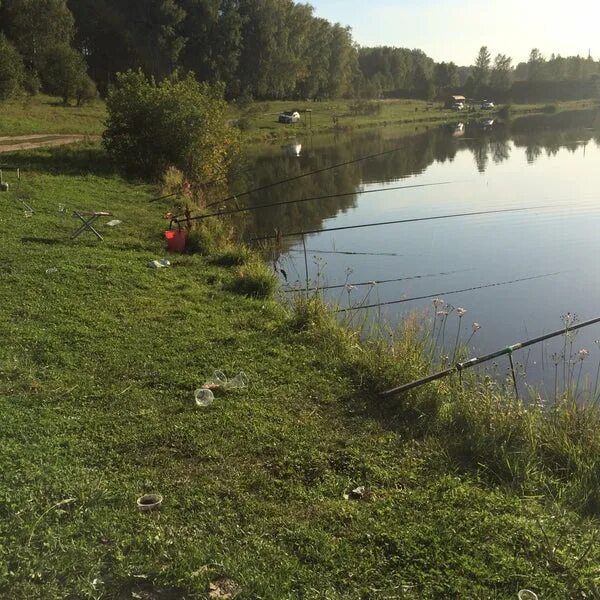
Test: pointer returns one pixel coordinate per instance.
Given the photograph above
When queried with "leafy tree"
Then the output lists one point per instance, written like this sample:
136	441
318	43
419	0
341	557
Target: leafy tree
445	75
178	122
536	65
313	79
116	35
64	73
213	41
12	70
481	70
392	69
35	26
342	65
501	72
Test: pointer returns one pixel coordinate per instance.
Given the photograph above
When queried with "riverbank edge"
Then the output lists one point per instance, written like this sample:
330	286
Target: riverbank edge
411	122
439	447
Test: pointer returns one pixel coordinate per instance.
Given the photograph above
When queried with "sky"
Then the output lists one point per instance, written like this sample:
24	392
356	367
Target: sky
455	30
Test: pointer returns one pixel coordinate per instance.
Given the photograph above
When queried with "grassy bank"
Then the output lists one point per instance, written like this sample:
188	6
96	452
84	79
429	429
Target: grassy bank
259	121
45	114
100	360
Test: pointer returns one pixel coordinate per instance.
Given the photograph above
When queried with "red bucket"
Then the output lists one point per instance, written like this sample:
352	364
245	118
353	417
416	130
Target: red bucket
176	240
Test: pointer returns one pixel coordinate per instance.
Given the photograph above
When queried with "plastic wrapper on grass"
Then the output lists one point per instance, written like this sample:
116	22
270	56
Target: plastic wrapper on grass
256	280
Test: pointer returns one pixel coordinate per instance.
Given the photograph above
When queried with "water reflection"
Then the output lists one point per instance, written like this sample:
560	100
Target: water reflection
548	254
486	140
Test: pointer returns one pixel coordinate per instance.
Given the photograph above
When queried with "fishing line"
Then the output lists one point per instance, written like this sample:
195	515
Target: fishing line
303	175
414	220
470	289
328	197
351	253
365	283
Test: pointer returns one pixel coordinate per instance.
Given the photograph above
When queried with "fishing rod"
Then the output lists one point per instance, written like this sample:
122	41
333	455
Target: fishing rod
352	253
301	176
477	361
365	283
437	295
164	197
234	211
414	220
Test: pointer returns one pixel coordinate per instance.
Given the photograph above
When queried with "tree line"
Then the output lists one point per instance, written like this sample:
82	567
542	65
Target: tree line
260	49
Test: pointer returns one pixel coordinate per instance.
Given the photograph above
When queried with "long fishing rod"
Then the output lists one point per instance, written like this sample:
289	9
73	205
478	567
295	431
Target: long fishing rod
301	176
437	295
414	220
234	211
352	253
164	197
380	281
477	361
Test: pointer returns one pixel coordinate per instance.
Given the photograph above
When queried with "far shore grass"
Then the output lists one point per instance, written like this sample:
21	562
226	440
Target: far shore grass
259	122
98	366
47	115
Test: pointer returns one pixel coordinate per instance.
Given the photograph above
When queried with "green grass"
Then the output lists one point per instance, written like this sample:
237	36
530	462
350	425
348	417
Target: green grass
45	114
260	120
98	364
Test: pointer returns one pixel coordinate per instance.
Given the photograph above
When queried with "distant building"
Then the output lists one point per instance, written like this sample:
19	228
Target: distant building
453	101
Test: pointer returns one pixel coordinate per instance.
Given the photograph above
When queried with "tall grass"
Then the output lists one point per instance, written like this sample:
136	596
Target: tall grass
478	421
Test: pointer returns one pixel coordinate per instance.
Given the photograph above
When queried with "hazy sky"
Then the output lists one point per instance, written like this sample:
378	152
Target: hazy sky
455	30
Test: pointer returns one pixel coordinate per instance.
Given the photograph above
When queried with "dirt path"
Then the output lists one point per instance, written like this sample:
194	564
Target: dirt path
28	142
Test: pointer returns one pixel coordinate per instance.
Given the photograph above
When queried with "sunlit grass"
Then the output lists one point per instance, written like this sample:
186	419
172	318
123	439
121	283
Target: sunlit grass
98	366
46	114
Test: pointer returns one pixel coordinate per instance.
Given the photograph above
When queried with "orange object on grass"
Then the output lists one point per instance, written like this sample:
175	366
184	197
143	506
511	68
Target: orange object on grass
176	239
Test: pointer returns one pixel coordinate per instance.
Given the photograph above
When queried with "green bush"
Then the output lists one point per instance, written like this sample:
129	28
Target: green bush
179	122
86	91
209	237
234	255
243	124
64	74
12	71
255	279
365	108
32	83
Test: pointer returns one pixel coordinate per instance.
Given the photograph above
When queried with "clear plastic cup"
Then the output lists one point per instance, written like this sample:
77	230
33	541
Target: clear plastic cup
238	382
204	397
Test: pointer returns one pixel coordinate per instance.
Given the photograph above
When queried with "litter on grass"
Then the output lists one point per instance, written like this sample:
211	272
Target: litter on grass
149	502
219	381
51	270
114	223
358	493
159	264
224	588
204	397
527	595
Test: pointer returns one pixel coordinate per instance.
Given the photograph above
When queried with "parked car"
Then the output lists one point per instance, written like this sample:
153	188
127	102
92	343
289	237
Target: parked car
487	105
289	116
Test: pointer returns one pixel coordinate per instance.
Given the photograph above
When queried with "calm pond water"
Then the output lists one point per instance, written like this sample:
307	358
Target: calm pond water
548	165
